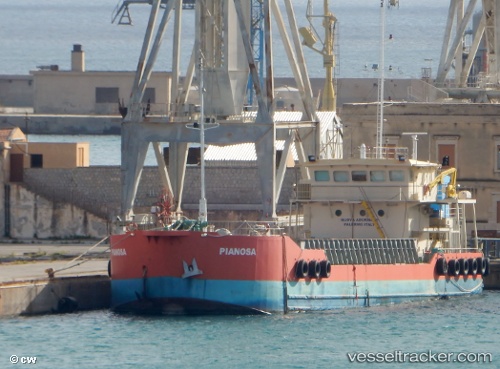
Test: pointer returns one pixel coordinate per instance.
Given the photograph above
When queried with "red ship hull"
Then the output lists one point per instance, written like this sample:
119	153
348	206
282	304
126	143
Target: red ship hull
172	272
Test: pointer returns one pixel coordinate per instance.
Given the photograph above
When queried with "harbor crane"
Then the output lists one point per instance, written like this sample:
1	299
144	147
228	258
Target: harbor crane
121	15
122	12
221	60
475	63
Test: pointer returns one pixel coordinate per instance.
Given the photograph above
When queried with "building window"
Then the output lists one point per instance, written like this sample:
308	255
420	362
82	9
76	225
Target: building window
447	151
377	176
446	155
341	176
106	95
359	176
321	176
36	161
396	176
497	157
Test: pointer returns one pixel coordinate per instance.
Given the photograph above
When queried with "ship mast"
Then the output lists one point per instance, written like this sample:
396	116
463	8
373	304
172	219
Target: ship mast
202	216
380	108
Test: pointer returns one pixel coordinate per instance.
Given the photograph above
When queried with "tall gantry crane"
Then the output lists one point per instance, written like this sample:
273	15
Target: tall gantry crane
222	58
122	12
475	63
121	15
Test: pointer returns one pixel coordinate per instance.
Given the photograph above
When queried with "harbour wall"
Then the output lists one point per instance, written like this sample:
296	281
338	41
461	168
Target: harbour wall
57	295
88	198
52	124
492	281
32	216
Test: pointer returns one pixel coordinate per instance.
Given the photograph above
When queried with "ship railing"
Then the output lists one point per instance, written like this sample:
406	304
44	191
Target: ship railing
456	250
245	227
148	110
385	152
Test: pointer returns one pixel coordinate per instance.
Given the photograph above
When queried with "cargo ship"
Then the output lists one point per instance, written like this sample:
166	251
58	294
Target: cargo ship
379	228
375	231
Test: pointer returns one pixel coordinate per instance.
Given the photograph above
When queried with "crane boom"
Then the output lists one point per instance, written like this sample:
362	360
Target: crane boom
450	189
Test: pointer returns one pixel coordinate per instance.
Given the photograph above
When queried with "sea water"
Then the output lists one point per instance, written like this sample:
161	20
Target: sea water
439	333
41	33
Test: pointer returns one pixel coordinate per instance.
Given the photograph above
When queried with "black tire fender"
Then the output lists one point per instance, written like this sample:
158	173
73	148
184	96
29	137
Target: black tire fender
301	269
441	266
326	268
464	266
453	267
314	269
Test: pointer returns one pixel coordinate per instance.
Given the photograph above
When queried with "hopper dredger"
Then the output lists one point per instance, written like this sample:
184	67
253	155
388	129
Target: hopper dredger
375	231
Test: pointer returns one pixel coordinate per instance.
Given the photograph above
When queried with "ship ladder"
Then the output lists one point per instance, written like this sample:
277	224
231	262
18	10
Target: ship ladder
374	218
460	227
371	213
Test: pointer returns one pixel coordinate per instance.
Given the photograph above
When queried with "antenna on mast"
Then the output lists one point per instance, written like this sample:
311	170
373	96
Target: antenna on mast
202	126
203	200
380	107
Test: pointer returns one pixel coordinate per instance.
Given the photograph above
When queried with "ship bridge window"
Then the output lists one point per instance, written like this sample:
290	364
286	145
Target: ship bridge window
321	175
377	176
359	176
341	176
396	175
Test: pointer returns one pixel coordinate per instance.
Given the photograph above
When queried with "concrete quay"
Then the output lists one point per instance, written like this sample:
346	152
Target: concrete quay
492	280
53	278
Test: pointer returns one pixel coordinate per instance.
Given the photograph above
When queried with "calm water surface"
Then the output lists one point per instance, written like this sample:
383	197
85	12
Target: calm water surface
34	32
299	340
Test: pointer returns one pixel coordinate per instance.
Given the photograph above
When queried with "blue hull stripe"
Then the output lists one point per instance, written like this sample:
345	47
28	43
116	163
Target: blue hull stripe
301	295
262	295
